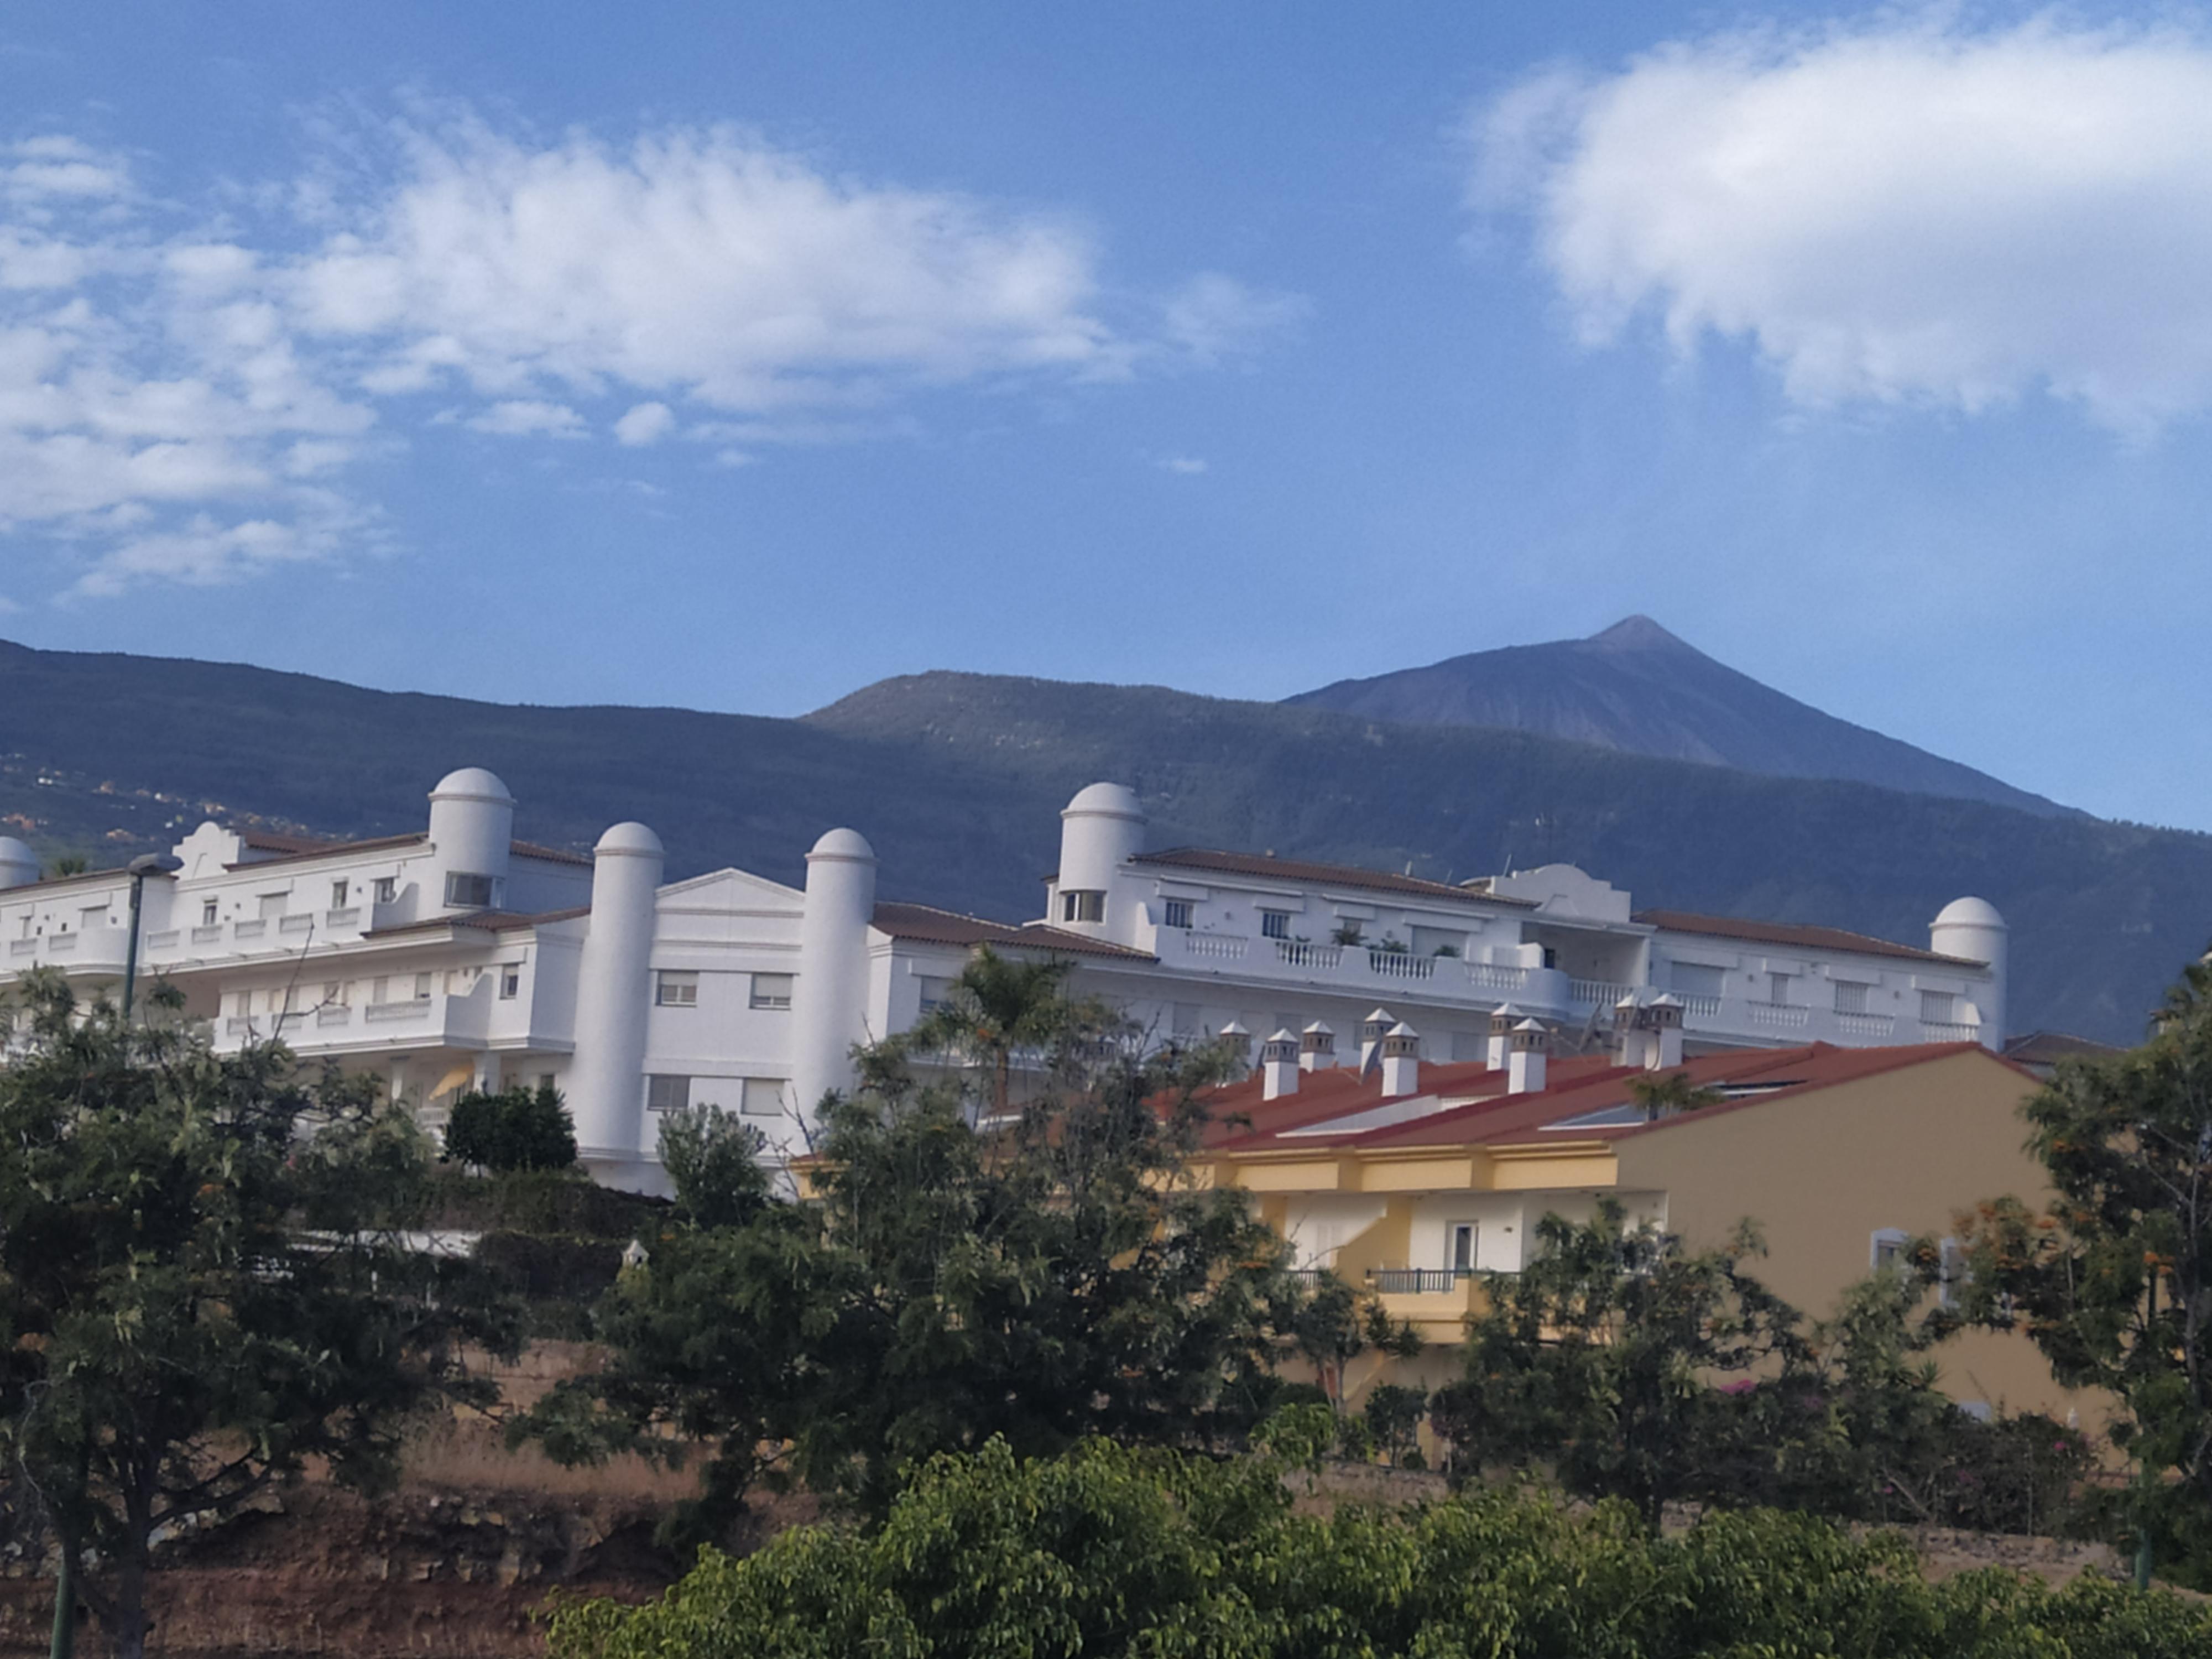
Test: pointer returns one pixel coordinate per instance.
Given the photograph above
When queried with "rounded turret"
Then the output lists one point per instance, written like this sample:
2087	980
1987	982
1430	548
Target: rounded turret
1100	831
471	829
614	988
1971	929
19	865
830	1003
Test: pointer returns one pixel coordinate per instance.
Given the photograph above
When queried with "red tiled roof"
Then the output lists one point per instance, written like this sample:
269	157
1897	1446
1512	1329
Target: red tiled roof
530	850
928	924
1794	935
289	848
490	921
1340	875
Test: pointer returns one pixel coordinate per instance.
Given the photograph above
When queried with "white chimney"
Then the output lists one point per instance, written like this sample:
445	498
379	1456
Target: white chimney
1632	1045
1501	1034
1279	1065
1238	1040
1372	1030
1525	1064
1402	1061
1318	1052
1663	1020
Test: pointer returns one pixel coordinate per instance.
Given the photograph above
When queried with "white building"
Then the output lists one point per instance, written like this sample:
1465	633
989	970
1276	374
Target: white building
460	958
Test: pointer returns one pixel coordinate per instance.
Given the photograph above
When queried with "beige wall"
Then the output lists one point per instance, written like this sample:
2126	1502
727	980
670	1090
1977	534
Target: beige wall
1821	1173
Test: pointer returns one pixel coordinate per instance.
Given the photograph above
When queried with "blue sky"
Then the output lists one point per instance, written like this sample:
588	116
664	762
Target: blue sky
736	357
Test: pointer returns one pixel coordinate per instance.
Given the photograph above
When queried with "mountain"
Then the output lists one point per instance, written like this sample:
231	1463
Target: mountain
1638	688
958	780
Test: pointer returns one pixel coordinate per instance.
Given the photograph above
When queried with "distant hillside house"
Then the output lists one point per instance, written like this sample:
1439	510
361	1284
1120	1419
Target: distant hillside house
461	958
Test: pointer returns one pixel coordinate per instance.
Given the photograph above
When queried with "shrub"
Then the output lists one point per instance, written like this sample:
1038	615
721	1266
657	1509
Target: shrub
517	1128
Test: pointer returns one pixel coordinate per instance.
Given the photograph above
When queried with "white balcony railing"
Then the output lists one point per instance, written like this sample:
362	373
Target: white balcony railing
1401	964
211	934
1699	1007
1867	1028
62	944
22	947
296	925
1945	1030
336	1014
1292	953
1597	993
1502	981
379	1013
345	916
253	929
1778	1017
164	941
1227	947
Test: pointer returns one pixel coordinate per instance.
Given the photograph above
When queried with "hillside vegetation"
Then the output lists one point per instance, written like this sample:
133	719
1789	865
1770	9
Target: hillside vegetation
958	780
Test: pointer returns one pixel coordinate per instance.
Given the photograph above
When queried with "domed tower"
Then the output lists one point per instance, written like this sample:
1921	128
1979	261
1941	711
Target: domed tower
1971	929
471	828
19	865
1100	830
614	988
830	1003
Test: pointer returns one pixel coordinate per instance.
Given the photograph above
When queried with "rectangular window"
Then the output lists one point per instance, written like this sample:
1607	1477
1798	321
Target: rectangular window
1777	989
386	889
934	990
1937	1007
1886	1248
1693	979
771	991
338	891
272	905
473	892
761	1097
677	990
209	911
1175	913
1083	907
510	980
664	1093
1275	924
379	990
545	1079
421	987
1952	1289
1462	1247
1851	997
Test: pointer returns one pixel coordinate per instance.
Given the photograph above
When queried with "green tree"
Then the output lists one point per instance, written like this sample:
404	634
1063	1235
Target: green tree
1669	1093
947	1278
997	1009
201	1281
1333	1324
1394	1414
1597	1358
2113	1280
516	1128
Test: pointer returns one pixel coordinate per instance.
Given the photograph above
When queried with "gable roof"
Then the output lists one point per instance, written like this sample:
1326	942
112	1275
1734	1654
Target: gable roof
925	924
1339	875
1795	935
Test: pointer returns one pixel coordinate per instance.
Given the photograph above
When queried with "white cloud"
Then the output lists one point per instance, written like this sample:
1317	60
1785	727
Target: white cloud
647	423
188	391
1188	466
1892	211
524	418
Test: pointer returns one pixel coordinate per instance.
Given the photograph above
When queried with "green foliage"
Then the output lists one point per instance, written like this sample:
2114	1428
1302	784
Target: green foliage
562	1201
201	1284
1666	1095
1334	1324
517	1128
1110	1552
2114	1282
1393	1416
1047	1275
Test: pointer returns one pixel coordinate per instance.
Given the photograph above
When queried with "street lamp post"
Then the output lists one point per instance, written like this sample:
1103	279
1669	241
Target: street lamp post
145	865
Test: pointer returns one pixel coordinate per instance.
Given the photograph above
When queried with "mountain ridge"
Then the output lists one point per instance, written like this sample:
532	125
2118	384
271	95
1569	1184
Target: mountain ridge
1638	688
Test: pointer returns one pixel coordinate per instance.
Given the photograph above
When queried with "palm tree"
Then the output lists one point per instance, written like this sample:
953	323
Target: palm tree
1664	1096
996	1007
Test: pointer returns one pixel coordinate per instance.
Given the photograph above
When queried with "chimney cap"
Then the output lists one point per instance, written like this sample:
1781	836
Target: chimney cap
1375	1014
1319	1029
1284	1034
1235	1028
1401	1029
1529	1025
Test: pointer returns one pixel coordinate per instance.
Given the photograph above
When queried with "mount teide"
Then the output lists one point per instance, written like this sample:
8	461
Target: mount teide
1638	688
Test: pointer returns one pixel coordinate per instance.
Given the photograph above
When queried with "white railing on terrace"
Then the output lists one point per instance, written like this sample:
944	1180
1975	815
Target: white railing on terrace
1294	954
1597	993
379	1012
296	925
62	944
1867	1028
1401	964
1945	1031
1488	976
1699	1007
211	935
1778	1016
1229	947
162	941
248	929
22	947
336	1014
344	917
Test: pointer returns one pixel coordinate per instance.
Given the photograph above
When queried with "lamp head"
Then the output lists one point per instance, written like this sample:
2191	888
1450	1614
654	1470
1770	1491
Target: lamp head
156	864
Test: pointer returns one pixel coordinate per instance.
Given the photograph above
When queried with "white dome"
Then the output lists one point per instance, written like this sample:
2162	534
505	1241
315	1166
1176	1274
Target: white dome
1969	913
471	783
848	844
634	839
19	865
1106	800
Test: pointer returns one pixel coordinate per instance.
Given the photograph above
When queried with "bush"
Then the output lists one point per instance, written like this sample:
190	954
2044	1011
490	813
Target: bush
517	1128
1110	1552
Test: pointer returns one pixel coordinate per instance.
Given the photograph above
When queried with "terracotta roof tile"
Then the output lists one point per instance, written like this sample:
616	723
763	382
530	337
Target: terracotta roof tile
925	923
1340	875
1795	935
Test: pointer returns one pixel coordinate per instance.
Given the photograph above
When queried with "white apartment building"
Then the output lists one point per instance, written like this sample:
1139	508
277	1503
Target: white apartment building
460	958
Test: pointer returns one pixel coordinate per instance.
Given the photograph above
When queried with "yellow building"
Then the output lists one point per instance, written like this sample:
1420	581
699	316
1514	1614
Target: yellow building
1414	1180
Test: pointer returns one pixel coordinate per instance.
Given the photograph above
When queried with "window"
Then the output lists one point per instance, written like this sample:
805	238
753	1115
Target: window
338	891
386	889
1937	1008
1777	990
545	1079
273	905
1275	924
1952	1285
675	990
667	1094
1186	1018
1083	907
333	993
1886	1248
1551	957
421	987
473	892
1175	913
771	991
1693	979
379	990
1462	1247
934	990
510	980
1851	997
761	1097
209	911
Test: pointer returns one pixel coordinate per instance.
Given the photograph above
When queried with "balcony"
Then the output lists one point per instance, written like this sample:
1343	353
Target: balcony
1435	1301
1598	993
1778	1017
1868	1028
211	934
1416	1281
1935	1031
22	947
296	925
1361	970
248	930
336	1014
392	1013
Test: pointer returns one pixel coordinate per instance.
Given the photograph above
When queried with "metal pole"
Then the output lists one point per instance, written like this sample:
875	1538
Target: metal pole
64	1642
130	954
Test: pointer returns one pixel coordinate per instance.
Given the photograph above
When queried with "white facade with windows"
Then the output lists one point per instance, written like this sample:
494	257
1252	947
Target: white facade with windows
460	958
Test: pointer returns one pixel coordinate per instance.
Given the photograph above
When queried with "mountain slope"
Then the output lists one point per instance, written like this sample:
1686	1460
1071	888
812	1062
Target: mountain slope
958	781
1636	687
